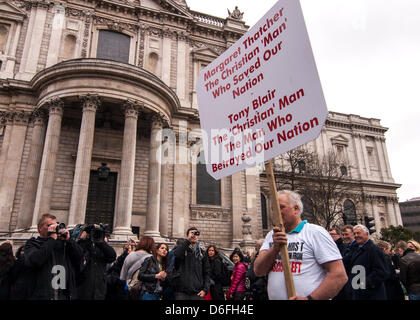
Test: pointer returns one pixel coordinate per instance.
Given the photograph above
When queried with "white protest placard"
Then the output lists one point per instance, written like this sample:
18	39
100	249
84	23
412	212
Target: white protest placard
262	97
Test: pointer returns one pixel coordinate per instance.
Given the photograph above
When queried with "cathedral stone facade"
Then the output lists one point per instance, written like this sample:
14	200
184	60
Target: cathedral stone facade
99	123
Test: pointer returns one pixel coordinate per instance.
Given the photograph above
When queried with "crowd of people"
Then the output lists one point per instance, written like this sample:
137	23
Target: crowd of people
339	264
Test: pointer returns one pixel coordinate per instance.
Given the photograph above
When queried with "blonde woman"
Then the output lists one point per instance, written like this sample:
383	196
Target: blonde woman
413	244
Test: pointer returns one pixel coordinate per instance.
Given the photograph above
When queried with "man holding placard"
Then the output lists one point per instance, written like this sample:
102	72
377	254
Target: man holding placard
315	261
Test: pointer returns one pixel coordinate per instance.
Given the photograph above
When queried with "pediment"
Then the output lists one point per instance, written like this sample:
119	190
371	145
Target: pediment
340	139
10	11
170	6
205	54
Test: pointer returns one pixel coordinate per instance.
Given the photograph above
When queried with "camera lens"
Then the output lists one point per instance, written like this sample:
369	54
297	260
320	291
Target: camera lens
197	233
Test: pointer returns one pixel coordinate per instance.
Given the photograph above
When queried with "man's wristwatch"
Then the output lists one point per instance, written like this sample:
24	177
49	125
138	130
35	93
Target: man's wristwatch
309	297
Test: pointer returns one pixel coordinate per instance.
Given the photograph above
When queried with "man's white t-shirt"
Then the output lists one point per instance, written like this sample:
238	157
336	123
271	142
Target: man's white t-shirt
308	250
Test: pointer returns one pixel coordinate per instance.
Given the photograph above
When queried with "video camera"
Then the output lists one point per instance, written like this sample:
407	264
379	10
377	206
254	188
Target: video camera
96	233
58	230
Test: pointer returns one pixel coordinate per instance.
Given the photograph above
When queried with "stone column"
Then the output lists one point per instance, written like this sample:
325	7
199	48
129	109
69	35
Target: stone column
164	190
11	170
358	154
7	122
181	67
32	170
122	228
153	190
80	189
182	176
388	166
237	209
391	211
398	213
49	158
33	41
365	156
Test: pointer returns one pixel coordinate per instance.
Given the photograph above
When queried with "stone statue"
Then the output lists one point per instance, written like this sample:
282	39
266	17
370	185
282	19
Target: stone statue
236	14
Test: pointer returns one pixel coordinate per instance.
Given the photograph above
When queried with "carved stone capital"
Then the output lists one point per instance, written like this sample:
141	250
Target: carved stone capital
39	117
157	121
90	102
6	117
21	118
55	106
132	108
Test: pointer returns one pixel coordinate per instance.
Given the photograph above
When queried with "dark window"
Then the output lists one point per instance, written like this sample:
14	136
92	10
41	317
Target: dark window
264	212
343	170
349	215
208	189
301	166
113	46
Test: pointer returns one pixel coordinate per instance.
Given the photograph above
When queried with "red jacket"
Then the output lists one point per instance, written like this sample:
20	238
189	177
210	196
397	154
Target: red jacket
238	279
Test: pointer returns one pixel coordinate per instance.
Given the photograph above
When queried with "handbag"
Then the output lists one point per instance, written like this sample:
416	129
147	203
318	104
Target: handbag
135	285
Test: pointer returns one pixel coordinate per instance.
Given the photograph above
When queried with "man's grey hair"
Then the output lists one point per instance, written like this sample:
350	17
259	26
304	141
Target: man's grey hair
361	226
294	198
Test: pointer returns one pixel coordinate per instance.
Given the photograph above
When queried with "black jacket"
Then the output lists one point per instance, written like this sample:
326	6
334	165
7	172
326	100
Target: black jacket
41	255
341	245
22	280
147	273
115	286
257	286
346	292
216	289
372	258
194	269
92	281
410	271
392	284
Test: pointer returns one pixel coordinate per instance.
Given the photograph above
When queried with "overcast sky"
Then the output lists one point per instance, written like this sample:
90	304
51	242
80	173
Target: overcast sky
368	58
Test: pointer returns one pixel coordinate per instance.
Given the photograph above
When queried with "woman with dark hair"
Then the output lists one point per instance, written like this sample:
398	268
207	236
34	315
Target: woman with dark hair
237	288
216	273
22	277
7	261
152	273
133	262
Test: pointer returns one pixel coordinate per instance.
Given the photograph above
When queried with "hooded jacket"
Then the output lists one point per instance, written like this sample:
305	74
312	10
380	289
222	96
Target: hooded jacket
41	255
194	268
92	283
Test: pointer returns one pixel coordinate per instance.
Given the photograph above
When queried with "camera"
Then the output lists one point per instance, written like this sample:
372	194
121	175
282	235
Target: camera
59	229
96	233
196	233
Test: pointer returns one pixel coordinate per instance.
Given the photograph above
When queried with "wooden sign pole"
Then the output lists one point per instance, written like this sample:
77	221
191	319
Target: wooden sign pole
278	221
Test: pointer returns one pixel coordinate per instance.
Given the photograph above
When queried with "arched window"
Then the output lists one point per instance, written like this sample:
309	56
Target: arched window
113	46
264	212
349	214
208	189
343	170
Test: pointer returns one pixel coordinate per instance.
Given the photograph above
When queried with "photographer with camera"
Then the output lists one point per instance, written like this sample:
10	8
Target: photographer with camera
97	254
54	261
192	267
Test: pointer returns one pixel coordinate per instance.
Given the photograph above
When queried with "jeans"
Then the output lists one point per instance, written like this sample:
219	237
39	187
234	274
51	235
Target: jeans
149	296
184	296
414	297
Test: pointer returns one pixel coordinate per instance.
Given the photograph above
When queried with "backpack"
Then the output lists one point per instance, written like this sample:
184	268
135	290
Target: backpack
226	274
